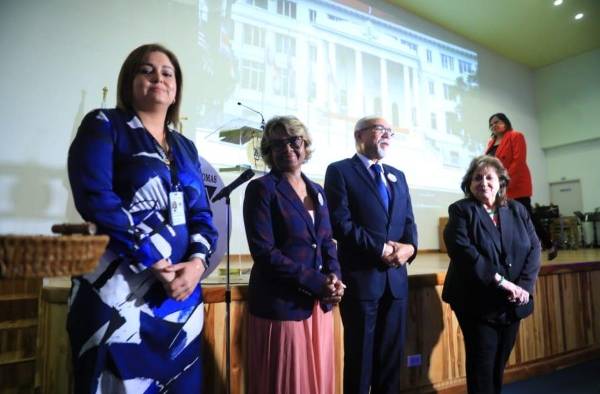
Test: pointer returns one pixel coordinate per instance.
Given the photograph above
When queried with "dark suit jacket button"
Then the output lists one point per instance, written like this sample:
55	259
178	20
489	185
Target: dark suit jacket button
509	264
320	267
314	246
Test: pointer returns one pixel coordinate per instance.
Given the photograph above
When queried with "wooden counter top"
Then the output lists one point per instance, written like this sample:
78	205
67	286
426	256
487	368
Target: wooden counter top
428	269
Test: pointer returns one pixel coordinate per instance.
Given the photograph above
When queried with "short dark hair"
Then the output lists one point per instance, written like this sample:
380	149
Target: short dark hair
503	118
130	68
487	161
286	126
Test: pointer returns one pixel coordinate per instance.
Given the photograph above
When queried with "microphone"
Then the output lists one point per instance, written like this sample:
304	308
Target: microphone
226	191
262	119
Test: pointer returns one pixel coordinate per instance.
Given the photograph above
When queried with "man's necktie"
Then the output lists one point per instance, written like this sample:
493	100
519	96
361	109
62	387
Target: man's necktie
381	189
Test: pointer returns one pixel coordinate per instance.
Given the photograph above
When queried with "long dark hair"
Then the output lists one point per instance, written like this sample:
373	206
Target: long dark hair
130	68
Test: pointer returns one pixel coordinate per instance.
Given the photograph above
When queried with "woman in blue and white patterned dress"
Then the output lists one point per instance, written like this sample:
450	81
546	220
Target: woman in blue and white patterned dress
135	322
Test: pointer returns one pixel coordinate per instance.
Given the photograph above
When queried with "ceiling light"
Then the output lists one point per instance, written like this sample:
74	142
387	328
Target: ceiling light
579	16
558	2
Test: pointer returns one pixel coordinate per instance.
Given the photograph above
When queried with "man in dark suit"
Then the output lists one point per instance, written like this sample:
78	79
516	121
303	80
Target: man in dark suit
372	219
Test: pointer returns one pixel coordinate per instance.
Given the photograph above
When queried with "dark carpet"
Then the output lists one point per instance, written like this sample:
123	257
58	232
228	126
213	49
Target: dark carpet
579	379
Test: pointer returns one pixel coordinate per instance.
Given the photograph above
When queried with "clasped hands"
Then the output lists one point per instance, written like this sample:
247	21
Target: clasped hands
515	293
179	280
396	254
333	290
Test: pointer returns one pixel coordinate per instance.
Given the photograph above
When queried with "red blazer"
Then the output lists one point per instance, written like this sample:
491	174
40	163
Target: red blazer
512	152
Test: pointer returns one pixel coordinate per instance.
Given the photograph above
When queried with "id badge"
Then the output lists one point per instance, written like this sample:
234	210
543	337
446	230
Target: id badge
177	211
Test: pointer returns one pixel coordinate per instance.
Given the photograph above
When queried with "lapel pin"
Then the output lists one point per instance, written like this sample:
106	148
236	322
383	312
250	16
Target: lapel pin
391	177
320	198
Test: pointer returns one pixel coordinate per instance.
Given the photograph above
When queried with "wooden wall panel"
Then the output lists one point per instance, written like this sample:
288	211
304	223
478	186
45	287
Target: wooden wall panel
595	279
18	333
215	347
564	329
338	344
573	311
550	305
54	360
587	308
423	338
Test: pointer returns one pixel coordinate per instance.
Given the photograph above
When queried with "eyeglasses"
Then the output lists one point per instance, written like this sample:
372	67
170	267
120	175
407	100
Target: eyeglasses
379	129
295	142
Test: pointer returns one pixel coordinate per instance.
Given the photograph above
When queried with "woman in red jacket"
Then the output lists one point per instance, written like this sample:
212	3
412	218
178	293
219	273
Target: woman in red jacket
510	147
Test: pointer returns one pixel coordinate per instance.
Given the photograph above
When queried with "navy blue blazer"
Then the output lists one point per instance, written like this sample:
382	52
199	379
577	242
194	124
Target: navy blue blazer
292	255
362	226
478	250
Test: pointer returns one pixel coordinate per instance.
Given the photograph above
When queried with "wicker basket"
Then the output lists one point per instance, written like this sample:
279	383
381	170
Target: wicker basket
38	256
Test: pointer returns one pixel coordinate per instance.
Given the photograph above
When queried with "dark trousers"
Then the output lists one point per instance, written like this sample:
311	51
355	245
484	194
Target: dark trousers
374	332
541	232
487	348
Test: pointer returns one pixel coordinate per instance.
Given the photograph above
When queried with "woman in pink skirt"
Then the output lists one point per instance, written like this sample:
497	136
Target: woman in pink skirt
295	278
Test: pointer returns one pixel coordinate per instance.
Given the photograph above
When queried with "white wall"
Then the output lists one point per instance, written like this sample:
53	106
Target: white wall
58	54
577	161
568	96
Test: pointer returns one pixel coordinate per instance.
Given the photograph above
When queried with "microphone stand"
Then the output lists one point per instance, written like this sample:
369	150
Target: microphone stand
228	302
262	118
225	193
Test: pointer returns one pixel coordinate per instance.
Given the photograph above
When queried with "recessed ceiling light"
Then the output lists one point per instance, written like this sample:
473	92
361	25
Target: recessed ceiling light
558	2
579	16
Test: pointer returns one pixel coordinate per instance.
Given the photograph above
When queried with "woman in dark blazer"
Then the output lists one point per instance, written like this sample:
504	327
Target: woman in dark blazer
295	278
494	261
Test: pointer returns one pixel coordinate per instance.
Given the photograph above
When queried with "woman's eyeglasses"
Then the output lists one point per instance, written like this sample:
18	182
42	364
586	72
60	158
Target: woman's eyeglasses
295	142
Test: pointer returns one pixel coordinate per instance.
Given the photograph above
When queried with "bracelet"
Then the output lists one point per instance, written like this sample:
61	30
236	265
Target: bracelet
500	281
204	264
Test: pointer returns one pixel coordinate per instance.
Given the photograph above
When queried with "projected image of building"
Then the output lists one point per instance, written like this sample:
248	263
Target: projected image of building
330	63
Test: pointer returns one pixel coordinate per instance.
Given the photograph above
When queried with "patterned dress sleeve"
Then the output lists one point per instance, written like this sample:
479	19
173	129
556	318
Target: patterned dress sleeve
90	167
